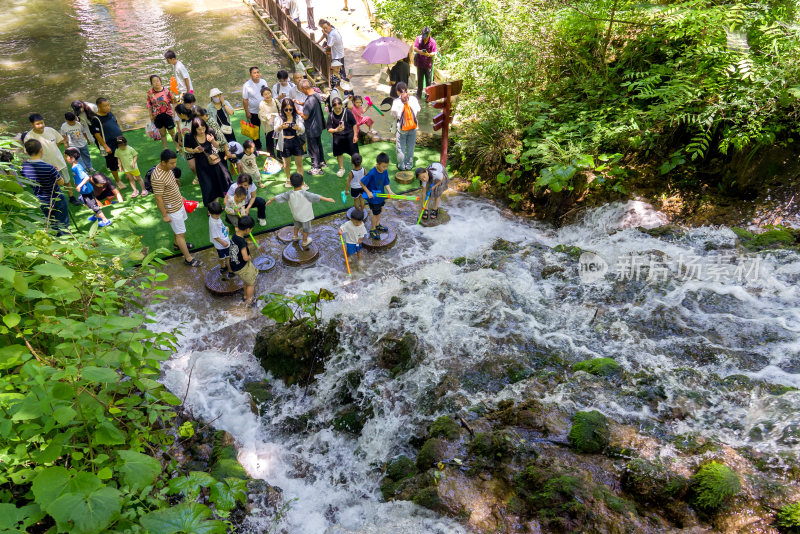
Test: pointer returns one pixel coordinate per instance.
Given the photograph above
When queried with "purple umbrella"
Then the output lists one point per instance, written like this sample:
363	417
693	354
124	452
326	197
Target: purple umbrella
385	51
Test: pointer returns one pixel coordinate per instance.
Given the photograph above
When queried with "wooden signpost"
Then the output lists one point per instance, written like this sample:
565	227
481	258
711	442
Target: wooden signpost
439	96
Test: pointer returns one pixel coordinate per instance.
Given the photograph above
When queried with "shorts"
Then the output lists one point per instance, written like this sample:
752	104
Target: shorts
376	207
164	120
356	192
90	202
344	145
292	147
65	174
248	274
223	252
353	248
305	226
178	222
134	172
112	164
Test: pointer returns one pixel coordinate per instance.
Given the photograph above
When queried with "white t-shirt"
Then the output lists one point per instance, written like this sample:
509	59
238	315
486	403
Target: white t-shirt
250	190
181	73
74	134
397	108
217	229
358	174
299	67
294	9
279	89
353	233
50	152
335	42
297	94
251	92
436	171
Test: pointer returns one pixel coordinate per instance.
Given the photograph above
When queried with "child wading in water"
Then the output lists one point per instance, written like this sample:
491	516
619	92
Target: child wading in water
127	159
354	182
84	185
220	237
300	204
242	261
377	181
354	233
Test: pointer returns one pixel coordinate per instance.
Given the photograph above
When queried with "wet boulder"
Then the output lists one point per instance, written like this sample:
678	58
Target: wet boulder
398	354
590	432
296	351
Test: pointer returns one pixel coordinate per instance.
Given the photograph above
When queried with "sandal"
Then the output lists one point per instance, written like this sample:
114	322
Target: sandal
195	181
194	263
434	213
424	215
188	246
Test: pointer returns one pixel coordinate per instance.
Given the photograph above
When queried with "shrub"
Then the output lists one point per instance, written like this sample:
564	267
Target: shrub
788	518
713	486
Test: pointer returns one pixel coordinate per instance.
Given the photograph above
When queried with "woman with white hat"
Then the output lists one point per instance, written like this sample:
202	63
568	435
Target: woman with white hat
220	110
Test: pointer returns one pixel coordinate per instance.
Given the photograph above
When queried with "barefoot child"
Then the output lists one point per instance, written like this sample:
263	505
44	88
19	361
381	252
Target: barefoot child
354	182
300	204
218	233
242	261
354	233
377	181
127	159
84	185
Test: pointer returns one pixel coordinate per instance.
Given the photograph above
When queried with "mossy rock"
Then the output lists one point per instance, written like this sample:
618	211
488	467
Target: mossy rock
599	367
388	489
431	453
667	230
461	260
713	487
398	354
297	350
491	445
504	246
775	237
400	468
395	302
559	499
226	464
571	251
589	432
444	427
651	483
428	498
788	519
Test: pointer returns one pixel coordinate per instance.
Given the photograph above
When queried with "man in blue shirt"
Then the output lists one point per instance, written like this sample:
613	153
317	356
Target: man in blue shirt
377	181
46	180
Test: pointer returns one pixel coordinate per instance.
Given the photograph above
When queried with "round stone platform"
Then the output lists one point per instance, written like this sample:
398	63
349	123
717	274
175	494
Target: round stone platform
264	263
286	233
219	284
296	255
404	177
441	218
387	240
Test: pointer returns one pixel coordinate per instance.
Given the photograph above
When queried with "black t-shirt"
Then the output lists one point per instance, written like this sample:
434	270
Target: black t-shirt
237	245
349	123
400	72
106	125
313	110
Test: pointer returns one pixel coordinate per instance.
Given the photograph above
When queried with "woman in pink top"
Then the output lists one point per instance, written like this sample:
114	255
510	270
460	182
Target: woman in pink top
359	113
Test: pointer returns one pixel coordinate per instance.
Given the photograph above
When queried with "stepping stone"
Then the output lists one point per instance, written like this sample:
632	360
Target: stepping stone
386	241
286	233
404	177
442	218
264	263
219	284
296	255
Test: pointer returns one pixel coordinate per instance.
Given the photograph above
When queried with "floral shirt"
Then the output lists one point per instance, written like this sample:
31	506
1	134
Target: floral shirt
159	102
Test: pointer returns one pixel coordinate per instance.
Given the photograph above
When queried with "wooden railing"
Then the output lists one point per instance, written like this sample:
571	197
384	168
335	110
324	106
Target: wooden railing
319	56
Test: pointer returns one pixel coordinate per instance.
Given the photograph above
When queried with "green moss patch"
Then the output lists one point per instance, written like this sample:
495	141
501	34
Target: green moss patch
589	432
444	427
599	367
713	486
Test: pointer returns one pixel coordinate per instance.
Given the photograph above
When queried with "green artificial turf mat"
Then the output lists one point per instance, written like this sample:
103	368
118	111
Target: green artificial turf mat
155	233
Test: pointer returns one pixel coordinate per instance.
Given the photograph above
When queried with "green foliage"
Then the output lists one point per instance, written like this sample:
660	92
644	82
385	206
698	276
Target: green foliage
589	432
428	498
400	468
491	445
599	367
432	452
444	427
713	486
788	518
82	416
283	309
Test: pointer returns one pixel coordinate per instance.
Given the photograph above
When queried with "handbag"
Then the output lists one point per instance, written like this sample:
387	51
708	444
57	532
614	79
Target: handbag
226	129
152	132
249	130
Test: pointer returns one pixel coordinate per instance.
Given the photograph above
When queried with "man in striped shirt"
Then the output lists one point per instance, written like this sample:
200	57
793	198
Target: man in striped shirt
46	180
170	203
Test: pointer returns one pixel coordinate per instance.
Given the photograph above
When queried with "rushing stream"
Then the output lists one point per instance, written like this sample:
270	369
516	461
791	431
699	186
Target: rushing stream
688	316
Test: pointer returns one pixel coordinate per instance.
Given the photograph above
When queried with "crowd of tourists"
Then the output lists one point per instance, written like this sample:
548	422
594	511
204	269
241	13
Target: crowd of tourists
284	121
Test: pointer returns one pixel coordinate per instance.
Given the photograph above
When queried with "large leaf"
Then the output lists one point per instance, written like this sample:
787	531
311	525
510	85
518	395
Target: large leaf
185	518
87	511
108	434
277	308
225	494
191	484
99	374
52	270
138	470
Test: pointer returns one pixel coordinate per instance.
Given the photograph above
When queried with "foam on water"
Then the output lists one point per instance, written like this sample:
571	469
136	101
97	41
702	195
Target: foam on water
686	340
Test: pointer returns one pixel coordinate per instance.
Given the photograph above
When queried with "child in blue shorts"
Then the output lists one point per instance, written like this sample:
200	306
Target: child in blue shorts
377	181
354	233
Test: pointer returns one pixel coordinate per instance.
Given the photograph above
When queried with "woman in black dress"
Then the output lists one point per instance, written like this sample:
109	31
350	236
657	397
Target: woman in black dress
211	172
343	130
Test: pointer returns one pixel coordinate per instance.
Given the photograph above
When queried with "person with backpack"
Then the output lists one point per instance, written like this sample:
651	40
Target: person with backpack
405	109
